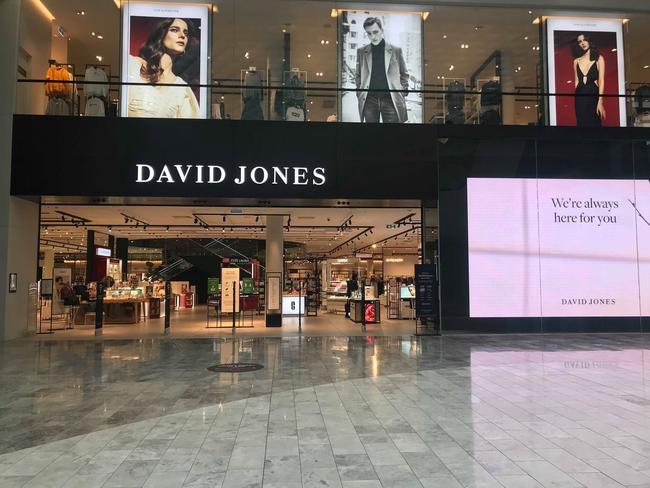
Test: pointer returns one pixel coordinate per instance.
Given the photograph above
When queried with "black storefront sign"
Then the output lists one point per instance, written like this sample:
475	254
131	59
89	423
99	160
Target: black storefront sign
220	159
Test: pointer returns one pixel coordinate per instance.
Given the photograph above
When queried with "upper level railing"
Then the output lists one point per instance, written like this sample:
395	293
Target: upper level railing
438	103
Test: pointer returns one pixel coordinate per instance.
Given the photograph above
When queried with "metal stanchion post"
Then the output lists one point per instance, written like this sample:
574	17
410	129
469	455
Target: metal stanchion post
168	306
234	303
363	306
299	304
99	310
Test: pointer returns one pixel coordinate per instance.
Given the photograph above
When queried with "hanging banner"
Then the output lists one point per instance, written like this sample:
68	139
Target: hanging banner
380	51
585	61
230	289
165	44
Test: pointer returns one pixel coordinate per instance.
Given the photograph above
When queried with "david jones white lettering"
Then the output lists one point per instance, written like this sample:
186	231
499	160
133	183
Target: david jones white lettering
214	174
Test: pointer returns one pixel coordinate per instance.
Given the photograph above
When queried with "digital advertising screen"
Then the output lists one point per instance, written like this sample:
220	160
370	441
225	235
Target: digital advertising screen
380	51
585	60
164	50
558	247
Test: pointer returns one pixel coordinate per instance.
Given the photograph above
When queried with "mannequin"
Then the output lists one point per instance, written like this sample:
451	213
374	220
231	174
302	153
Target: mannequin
252	95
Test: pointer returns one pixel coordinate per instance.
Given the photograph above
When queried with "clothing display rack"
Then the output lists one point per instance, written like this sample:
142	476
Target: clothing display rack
64	94
454	111
477	111
99	92
252	94
294	95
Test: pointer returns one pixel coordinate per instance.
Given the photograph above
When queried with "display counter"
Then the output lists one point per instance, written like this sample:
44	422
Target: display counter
372	311
335	304
293	305
249	303
116	311
123	310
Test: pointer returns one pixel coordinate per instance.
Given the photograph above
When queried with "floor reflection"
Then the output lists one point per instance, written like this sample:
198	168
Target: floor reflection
52	390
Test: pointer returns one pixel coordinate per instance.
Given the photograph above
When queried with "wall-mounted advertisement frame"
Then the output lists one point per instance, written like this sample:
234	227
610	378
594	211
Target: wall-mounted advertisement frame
165	46
399	37
585	59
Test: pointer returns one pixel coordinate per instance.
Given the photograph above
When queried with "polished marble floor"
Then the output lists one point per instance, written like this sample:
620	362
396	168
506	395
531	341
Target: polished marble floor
354	412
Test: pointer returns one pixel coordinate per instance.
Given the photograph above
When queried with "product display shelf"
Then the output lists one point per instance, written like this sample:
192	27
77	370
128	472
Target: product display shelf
393	299
313	296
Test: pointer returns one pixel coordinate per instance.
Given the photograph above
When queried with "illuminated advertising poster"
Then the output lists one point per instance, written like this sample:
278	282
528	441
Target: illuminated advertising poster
230	290
380	51
165	48
558	247
585	61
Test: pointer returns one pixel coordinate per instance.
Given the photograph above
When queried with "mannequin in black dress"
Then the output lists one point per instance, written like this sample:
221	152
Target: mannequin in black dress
589	69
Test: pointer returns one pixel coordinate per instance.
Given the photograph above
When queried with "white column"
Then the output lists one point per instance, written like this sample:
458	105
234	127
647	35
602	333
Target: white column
18	218
274	260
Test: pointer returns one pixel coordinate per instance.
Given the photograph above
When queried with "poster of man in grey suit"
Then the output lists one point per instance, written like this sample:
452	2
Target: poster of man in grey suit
387	63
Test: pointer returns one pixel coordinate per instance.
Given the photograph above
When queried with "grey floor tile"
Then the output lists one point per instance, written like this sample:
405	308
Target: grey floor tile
131	474
282	469
169	479
243	478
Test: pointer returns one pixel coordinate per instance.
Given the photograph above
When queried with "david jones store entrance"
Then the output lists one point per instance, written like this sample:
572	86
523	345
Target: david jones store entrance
194	271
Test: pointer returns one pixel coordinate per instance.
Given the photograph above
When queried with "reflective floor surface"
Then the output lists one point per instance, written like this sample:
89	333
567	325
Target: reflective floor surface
192	323
354	412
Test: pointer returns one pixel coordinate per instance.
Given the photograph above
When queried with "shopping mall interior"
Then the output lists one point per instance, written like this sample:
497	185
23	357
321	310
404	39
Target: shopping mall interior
134	250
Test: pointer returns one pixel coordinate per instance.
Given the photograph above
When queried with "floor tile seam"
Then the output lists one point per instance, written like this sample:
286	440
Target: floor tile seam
362	444
268	425
329	441
295	415
431	450
34	476
587	462
570	475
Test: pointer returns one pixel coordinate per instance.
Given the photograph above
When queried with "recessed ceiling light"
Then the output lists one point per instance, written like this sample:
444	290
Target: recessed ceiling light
99	58
99	36
309	55
451	68
444	36
646	66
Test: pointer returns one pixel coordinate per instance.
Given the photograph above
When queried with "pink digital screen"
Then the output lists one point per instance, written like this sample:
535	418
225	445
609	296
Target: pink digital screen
558	247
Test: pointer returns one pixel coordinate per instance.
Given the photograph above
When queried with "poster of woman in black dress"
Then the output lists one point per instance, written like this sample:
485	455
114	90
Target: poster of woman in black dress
585	66
589	68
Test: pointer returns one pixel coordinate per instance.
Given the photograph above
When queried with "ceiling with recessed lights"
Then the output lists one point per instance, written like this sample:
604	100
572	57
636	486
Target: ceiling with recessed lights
457	40
323	231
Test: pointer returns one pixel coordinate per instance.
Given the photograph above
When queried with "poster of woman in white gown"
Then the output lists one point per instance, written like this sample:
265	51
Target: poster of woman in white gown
164	60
